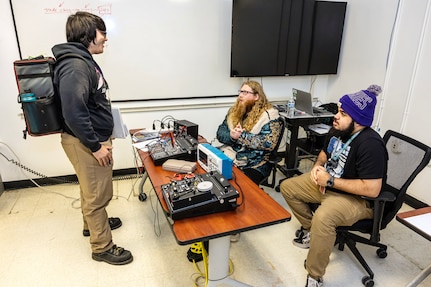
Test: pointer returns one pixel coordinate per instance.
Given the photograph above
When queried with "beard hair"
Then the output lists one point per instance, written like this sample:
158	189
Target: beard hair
249	104
345	134
240	111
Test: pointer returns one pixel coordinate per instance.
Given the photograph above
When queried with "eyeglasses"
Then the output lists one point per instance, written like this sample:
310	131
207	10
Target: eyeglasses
246	92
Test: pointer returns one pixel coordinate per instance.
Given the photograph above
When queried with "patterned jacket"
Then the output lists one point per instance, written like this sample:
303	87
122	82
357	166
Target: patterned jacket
252	149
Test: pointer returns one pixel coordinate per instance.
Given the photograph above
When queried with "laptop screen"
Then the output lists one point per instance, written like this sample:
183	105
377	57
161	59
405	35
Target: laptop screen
303	102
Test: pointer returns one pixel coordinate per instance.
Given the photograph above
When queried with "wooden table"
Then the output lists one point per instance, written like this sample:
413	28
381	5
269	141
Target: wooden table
257	210
419	220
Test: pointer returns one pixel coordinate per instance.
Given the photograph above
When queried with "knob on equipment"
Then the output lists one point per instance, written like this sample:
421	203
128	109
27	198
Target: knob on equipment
205	186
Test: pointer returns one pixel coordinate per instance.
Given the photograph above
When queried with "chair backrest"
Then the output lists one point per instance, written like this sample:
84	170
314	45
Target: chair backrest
407	158
274	152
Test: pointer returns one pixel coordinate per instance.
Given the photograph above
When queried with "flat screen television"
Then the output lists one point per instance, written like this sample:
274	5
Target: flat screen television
286	37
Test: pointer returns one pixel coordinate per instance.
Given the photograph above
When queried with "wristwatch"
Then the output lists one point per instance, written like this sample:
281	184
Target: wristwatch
330	182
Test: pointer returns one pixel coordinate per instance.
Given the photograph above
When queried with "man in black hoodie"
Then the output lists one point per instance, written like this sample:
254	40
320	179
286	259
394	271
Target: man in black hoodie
87	130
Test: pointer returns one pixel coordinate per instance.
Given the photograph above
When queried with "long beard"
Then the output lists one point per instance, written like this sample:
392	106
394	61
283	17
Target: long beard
239	113
345	134
248	105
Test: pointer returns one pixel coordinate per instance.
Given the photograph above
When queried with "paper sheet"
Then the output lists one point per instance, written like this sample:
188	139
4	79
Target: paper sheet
143	145
422	222
321	129
120	129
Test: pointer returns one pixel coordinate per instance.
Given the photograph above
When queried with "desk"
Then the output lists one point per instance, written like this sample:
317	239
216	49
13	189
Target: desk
405	218
293	123
257	210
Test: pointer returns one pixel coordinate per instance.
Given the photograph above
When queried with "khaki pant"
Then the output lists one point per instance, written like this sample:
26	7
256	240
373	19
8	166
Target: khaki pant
96	191
336	209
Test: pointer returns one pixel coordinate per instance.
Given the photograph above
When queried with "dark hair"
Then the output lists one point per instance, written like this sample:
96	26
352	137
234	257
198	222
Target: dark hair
81	27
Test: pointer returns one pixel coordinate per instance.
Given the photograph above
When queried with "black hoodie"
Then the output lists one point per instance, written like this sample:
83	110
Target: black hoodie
81	87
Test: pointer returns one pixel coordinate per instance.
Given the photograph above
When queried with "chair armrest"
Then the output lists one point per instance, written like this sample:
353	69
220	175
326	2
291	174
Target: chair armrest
378	207
383	196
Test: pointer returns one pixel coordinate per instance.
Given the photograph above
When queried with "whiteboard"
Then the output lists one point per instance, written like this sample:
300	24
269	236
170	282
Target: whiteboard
156	49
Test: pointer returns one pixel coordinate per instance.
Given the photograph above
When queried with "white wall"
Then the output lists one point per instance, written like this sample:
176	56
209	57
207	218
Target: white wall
407	91
364	53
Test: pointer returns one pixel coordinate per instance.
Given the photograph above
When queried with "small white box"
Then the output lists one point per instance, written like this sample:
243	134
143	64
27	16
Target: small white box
180	166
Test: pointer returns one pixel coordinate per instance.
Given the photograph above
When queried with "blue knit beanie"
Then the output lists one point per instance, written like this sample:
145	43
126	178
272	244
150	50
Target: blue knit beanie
360	106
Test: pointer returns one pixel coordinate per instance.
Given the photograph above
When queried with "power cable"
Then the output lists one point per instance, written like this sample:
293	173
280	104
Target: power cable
25	169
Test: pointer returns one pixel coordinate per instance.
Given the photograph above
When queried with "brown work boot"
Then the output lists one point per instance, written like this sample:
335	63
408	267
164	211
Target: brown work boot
115	256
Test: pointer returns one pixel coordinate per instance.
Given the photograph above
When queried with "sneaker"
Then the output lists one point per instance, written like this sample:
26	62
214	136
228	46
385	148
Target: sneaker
114	223
115	256
299	231
311	282
303	238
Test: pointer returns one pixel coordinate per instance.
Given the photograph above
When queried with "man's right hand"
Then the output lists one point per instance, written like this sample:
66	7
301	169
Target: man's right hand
104	155
236	132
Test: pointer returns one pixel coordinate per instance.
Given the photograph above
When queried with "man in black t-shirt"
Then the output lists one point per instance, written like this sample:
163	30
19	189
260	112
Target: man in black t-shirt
352	163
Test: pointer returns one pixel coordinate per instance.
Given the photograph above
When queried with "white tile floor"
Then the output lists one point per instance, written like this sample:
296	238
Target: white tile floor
41	244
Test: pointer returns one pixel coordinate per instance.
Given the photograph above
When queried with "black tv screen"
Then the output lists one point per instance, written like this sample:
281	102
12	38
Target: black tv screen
286	37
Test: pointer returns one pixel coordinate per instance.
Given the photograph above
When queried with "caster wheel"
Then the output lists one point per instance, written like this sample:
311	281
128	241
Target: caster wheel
142	197
367	281
381	253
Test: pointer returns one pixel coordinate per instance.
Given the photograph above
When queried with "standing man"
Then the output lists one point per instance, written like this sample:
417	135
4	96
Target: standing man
87	130
352	163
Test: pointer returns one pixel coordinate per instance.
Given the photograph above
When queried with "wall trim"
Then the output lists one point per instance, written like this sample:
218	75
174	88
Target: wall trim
12	185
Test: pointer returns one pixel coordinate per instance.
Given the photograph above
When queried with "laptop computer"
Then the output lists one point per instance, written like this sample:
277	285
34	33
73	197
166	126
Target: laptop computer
304	103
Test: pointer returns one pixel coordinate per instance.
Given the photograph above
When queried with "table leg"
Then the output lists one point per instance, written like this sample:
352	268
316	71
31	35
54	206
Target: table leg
291	152
290	157
420	277
142	195
218	264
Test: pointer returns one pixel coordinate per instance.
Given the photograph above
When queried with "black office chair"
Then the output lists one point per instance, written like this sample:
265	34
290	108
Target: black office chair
275	157
407	157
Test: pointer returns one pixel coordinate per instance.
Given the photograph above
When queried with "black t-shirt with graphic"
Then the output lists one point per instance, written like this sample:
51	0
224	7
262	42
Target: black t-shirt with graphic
365	157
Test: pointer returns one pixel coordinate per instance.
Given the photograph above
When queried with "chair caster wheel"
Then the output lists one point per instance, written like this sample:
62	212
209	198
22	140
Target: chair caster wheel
142	197
367	281
381	253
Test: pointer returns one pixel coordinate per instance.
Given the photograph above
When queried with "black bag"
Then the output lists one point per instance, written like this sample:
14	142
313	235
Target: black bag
34	78
36	95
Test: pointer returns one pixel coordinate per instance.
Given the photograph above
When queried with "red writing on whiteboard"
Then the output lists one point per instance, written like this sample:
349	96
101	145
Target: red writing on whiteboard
62	8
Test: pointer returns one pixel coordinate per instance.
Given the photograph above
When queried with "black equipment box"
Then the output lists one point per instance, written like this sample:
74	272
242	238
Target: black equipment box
181	147
198	195
184	127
